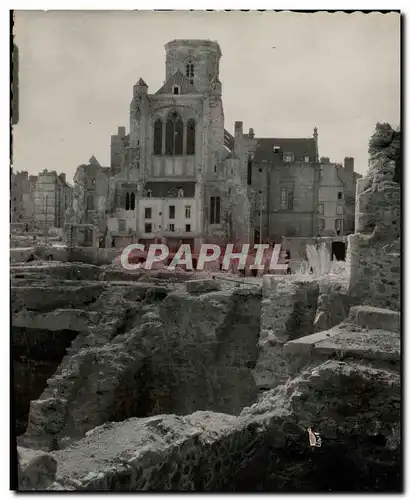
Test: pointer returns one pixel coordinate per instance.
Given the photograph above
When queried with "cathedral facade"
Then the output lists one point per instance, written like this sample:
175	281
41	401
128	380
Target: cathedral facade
178	176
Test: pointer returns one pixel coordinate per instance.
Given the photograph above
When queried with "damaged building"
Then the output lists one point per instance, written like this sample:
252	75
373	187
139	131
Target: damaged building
179	176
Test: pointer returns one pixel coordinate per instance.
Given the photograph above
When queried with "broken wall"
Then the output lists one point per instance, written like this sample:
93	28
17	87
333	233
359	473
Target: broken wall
374	251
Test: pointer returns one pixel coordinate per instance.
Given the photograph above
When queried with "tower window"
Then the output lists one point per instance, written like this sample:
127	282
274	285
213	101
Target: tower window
188	228
339	195
174	135
132	201
127	201
176	90
189	70
148	227
148	212
172	211
190	137
188	212
172	227
158	137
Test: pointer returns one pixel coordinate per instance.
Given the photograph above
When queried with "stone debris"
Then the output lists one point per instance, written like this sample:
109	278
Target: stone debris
208	451
36	469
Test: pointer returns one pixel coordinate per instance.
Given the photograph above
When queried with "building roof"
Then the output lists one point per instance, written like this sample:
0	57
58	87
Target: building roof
229	141
177	78
299	147
141	83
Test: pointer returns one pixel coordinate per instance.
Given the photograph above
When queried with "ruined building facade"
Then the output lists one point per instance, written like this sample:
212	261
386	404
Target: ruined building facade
178	176
52	198
22	197
296	194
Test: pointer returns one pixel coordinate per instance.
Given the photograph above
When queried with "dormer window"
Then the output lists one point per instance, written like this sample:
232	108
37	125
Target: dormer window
180	193
176	90
306	159
276	149
288	157
149	193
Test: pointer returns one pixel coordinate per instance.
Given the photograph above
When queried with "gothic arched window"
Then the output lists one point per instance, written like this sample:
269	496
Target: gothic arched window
190	137
189	70
179	136
132	203
174	133
127	201
158	137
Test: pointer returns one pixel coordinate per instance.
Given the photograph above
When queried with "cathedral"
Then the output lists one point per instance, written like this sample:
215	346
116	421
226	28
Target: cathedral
179	177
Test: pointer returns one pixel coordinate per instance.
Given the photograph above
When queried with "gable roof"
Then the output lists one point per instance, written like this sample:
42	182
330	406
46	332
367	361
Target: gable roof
177	79
141	83
299	147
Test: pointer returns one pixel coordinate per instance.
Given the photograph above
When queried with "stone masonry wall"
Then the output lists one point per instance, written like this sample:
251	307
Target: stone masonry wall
374	249
288	312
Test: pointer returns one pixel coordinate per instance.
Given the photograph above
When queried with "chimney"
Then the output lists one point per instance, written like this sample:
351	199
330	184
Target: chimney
349	164
316	139
325	160
238	128
251	133
63	177
121	132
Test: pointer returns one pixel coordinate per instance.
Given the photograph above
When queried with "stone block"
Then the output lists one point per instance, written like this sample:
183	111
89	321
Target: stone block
202	286
375	317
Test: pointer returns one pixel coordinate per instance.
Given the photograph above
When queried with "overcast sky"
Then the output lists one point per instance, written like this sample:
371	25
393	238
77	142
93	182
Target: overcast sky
338	72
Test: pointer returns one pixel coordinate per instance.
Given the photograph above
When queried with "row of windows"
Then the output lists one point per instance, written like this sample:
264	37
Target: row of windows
174	136
130	199
290	158
171	212
321	209
148	227
338	224
171	228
